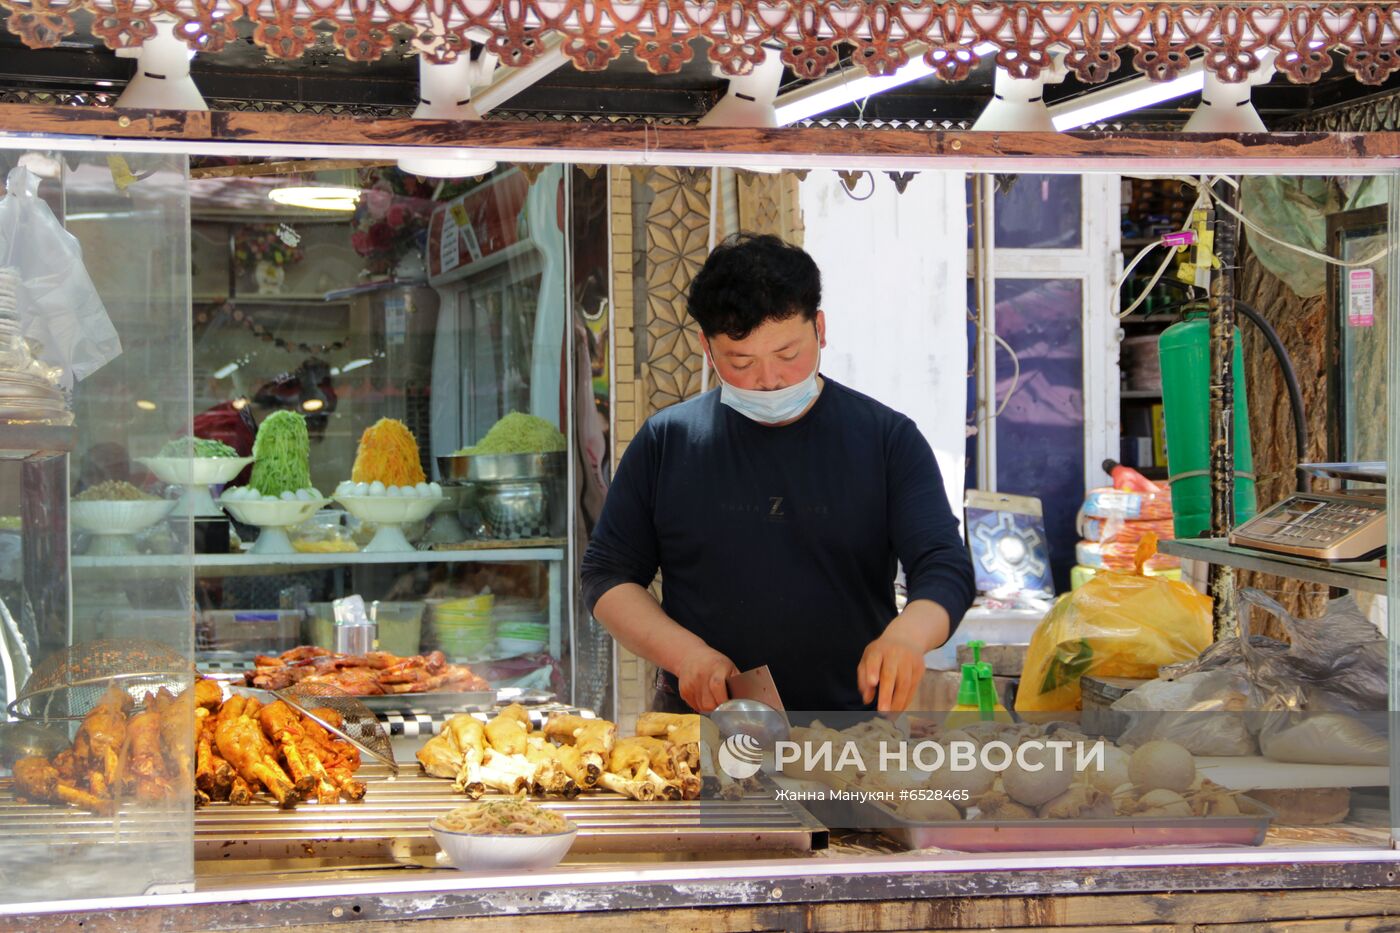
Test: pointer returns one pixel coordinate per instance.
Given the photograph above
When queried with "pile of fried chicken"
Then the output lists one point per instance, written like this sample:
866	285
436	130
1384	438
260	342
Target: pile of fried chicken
237	749
572	755
372	674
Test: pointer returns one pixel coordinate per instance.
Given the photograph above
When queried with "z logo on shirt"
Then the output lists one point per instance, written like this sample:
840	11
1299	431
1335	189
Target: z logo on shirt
775	509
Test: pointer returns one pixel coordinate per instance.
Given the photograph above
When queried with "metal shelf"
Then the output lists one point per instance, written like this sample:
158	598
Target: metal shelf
239	564
1139	393
1368	576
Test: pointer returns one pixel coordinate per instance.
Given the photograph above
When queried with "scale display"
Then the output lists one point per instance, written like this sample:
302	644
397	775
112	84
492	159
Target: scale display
1317	525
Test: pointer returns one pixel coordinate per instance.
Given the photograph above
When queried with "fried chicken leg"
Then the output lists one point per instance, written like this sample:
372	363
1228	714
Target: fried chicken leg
242	743
36	779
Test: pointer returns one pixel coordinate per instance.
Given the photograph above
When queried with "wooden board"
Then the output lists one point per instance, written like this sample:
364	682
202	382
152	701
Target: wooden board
1254	771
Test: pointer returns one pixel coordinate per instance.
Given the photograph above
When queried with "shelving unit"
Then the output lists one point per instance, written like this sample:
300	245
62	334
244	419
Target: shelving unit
1368	577
300	561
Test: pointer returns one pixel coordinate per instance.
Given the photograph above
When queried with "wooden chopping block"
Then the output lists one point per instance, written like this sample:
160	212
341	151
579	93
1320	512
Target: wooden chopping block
1006	660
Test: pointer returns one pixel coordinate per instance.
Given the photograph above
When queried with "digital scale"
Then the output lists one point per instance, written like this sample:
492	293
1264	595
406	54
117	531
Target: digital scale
1335	526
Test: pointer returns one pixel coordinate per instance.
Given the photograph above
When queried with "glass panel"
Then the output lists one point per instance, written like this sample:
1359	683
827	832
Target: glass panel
127	585
1363	320
1037	211
1040	434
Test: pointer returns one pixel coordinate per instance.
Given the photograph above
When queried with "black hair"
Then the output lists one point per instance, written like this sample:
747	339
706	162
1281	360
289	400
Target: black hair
752	278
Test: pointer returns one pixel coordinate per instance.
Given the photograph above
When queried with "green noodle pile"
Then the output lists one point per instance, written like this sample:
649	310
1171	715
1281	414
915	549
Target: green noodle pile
517	433
281	455
196	447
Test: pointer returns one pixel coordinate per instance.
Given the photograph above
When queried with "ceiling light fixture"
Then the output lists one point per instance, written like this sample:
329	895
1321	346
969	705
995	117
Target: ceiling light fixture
445	93
239	404
1097	106
853	84
162	80
355	364
748	101
1229	108
145	404
223	372
313	404
316	197
1018	104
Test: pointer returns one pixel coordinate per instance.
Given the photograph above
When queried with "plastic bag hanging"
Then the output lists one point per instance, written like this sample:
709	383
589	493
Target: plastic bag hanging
59	310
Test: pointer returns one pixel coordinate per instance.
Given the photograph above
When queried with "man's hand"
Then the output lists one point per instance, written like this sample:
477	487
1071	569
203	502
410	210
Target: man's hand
893	664
702	677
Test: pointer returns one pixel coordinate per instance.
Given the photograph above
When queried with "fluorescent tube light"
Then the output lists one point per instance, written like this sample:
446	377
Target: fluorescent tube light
851	85
316	197
1124	98
223	372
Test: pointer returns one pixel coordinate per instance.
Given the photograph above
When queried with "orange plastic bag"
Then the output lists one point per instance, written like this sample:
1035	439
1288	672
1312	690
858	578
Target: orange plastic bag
1115	625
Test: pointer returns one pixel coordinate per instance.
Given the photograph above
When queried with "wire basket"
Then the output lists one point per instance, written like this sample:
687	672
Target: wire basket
67	685
359	726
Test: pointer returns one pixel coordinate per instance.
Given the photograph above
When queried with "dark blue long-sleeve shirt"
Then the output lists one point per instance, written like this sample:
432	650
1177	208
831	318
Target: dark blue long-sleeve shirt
777	545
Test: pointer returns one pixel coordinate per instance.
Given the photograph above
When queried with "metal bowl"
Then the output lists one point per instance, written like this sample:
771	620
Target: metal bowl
502	467
518	509
753	718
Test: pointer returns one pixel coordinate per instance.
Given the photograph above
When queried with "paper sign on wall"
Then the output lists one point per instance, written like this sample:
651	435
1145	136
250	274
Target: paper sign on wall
1361	304
447	245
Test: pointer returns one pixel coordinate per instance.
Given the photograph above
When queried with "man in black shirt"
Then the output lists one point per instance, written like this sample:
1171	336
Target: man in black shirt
776	508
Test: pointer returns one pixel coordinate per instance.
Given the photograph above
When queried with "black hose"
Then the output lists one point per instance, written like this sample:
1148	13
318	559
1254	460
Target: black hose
1290	378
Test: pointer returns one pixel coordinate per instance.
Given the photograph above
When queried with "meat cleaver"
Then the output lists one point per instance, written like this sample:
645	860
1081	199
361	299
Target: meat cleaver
756	684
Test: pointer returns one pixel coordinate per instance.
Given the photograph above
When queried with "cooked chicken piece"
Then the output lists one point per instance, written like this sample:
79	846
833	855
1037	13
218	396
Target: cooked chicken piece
509	774
677	728
208	694
728	788
469	733
241	741
36	779
550	775
301	754
661	767
212	775
100	740
440	756
340	758
177	734
144	773
240	793
509	730
594	739
628	773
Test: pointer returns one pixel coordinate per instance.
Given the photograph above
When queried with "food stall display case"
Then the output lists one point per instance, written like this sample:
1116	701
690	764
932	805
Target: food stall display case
483	331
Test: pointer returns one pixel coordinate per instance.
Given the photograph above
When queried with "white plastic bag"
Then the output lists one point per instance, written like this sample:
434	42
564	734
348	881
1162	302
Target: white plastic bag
59	308
1201	711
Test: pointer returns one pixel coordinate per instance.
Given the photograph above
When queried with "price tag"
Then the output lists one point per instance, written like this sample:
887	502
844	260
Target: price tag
473	245
1361	298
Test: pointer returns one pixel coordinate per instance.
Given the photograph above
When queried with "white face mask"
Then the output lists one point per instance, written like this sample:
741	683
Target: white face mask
771	406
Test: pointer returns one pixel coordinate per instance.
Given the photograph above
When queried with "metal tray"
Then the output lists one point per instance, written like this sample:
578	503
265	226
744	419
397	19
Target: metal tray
501	467
1050	835
431	702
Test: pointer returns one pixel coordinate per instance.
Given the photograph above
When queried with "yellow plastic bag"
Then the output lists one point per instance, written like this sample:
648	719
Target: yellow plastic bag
1115	625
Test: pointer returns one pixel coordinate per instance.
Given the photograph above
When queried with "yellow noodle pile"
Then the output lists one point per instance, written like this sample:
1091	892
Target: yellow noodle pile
388	454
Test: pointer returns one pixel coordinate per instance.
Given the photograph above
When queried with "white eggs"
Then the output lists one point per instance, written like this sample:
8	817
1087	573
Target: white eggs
423	490
303	495
376	488
288	496
436	489
394	492
362	489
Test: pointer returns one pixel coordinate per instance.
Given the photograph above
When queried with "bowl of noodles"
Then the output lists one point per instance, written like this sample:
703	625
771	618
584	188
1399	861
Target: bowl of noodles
503	835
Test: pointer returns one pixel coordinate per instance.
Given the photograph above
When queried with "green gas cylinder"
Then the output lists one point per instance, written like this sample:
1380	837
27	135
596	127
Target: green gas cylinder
1185	356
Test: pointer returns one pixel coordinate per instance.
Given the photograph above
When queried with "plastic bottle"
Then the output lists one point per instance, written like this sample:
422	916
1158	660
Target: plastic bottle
987	706
1125	477
967	710
1185	354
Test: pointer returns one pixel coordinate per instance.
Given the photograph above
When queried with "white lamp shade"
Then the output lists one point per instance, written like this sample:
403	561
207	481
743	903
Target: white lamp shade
162	80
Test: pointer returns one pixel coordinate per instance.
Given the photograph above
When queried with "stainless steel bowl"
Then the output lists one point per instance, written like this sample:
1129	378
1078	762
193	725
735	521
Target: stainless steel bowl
518	509
751	717
501	467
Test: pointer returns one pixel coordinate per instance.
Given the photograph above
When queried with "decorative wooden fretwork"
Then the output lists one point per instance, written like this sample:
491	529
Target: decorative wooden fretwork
811	36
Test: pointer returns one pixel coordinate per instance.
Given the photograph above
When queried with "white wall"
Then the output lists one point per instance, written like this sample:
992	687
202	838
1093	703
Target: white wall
894	287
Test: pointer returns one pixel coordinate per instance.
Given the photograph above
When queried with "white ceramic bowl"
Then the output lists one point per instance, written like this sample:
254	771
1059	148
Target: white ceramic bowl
195	471
503	853
118	517
389	510
515	647
272	513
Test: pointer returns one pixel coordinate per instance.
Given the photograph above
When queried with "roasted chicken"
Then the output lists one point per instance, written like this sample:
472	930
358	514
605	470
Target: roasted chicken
242	743
37	779
98	745
372	674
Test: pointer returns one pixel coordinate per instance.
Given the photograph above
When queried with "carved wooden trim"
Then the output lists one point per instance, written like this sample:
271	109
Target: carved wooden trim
831	147
811	36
